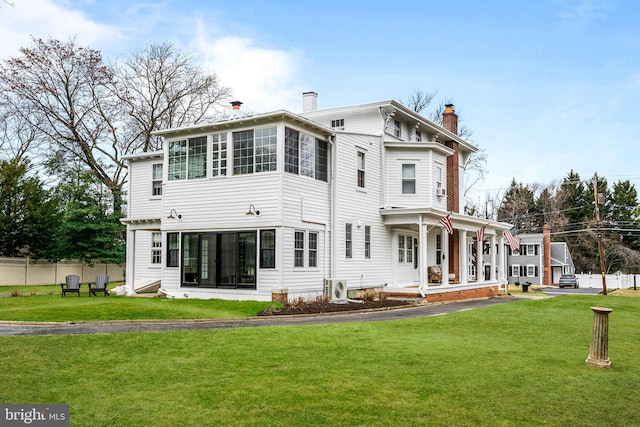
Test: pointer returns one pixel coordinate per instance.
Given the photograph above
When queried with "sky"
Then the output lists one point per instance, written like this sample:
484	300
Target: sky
546	86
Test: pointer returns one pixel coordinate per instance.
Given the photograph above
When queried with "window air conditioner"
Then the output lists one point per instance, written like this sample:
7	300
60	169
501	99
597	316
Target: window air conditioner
335	289
441	192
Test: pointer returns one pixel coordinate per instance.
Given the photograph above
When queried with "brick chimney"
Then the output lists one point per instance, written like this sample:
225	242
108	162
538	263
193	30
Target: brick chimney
546	243
450	123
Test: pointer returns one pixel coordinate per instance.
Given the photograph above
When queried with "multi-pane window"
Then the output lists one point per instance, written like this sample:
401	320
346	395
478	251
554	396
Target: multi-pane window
409	252
397	129
266	149
348	240
531	271
438	177
408	178
156	248
188	158
156	180
360	169
438	249
418	136
173	249
298	249
313	249
515	270
243	152
400	248
267	248
532	250
219	154
305	155
367	241
337	124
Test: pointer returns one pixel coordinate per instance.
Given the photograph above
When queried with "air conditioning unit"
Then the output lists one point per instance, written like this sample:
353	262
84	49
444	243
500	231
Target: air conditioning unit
335	289
441	192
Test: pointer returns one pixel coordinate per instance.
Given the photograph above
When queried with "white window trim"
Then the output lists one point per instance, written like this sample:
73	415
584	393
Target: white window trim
515	268
156	250
533	249
533	267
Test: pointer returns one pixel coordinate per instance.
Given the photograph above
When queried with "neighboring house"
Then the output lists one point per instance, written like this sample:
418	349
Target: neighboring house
260	204
532	263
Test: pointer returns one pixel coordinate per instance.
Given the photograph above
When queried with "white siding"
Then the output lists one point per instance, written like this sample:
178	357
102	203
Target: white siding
141	202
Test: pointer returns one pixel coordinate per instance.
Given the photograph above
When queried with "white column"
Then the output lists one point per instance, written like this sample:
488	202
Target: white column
130	256
464	257
479	263
501	260
445	256
422	253
492	251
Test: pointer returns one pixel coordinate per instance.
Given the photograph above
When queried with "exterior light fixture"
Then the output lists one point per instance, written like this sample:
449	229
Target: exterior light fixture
253	211
173	214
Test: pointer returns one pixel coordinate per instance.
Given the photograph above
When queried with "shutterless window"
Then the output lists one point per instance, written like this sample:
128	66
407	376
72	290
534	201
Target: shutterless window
219	154
360	169
177	160
305	155
243	152
400	248
418	136
298	251
313	249
266	144
367	241
408	178
156	248
188	158
267	248
348	240
173	249
397	129
197	155
438	177
409	251
337	124
156	180
291	153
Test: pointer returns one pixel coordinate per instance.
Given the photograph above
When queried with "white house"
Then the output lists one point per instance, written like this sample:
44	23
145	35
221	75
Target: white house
264	203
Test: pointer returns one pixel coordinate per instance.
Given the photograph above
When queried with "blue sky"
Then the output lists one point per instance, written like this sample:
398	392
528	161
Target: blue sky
546	86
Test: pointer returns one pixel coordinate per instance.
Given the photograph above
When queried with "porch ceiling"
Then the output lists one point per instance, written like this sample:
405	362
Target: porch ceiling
408	217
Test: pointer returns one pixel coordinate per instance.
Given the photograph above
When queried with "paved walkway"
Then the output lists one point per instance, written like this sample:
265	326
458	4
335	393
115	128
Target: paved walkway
66	328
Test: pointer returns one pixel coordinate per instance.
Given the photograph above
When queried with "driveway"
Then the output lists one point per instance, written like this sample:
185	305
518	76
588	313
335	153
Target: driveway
570	291
67	328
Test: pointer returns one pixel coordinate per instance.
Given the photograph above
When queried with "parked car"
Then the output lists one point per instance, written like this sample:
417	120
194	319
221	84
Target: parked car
568	280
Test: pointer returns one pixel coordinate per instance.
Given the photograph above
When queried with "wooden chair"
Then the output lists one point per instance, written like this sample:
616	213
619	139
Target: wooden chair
72	284
435	274
102	280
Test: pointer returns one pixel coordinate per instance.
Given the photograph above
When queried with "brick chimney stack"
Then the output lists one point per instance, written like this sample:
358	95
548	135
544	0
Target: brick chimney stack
450	123
546	243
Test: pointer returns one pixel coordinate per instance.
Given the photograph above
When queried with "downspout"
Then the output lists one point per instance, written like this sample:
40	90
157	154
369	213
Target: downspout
383	159
334	206
422	241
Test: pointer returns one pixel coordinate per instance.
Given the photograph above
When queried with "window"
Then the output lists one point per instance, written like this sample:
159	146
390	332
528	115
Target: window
243	152
267	248
400	248
438	178
409	251
173	249
266	144
408	178
438	249
367	241
418	136
532	249
397	129
298	251
531	271
156	248
219	154
348	242
188	158
515	270
305	155
156	180
313	249
337	124
360	169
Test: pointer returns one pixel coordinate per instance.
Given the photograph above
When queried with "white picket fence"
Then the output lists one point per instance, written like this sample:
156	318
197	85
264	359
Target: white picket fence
614	281
25	271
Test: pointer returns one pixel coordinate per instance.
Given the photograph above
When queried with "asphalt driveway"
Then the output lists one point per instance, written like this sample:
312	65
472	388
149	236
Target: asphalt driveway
66	328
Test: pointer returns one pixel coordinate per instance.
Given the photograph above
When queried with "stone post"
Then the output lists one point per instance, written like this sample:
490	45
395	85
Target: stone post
599	353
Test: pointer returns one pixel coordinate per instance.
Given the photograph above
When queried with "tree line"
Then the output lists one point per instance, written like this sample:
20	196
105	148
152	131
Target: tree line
569	208
68	118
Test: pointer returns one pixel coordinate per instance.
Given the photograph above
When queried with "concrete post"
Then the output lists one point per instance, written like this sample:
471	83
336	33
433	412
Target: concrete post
599	353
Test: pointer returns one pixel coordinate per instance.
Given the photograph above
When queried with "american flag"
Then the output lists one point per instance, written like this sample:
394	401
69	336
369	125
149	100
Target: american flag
446	221
480	234
512	239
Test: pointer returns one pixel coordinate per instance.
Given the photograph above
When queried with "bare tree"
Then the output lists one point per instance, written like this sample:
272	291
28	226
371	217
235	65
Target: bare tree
419	100
161	88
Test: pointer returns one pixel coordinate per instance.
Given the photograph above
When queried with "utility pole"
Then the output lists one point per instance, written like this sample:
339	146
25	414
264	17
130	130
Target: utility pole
595	197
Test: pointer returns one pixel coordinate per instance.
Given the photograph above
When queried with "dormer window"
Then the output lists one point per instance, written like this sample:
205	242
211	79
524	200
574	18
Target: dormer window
337	124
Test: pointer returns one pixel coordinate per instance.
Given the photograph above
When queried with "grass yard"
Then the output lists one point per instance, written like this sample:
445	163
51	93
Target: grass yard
516	364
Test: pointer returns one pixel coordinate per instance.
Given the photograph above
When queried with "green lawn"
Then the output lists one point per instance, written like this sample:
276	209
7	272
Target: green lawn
516	364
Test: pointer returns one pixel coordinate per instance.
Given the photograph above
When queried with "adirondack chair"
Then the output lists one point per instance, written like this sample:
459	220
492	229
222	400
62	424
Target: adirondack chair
72	284
102	280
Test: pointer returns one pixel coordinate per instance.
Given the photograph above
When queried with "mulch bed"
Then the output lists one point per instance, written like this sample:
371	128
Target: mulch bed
327	307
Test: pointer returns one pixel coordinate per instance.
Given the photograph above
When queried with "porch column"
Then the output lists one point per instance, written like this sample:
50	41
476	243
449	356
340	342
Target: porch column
130	257
464	257
492	251
422	251
445	256
479	262
501	260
